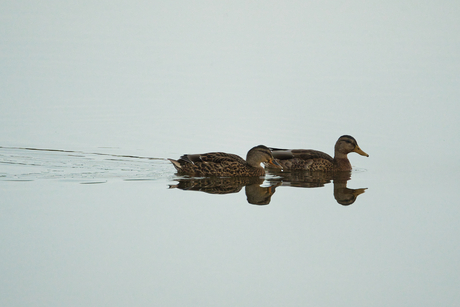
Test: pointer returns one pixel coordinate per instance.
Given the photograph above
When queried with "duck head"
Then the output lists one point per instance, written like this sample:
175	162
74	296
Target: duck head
346	144
260	154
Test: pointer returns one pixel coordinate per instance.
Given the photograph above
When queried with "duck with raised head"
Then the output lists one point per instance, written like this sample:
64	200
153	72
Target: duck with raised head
313	160
223	164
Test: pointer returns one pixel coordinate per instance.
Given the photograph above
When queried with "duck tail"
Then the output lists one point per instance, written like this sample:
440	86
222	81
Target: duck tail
277	149
176	164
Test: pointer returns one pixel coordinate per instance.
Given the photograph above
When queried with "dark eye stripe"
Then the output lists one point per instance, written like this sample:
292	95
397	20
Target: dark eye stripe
349	137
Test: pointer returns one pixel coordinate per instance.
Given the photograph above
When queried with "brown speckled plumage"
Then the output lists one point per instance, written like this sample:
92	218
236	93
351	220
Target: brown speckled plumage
224	164
313	160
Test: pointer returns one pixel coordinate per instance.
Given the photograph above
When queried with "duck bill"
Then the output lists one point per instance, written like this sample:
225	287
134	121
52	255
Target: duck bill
273	162
359	151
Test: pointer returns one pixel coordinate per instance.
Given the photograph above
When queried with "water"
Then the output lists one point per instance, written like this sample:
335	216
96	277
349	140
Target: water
95	98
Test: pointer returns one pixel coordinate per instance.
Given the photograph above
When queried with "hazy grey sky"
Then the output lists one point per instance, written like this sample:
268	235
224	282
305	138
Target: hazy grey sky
232	74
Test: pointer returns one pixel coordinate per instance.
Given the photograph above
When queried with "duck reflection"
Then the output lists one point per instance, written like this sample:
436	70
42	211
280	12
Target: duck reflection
255	193
261	195
310	179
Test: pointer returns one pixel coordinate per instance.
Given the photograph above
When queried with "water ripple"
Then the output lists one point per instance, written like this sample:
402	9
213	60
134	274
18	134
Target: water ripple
28	164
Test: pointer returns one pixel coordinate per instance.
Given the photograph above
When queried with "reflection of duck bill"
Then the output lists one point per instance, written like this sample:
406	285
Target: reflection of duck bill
345	196
359	191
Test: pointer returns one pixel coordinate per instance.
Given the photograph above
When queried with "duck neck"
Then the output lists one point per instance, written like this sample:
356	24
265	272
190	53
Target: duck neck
254	164
253	161
341	162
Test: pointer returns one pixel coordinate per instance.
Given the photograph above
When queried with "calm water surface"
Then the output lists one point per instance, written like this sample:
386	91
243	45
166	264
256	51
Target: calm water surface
95	98
96	228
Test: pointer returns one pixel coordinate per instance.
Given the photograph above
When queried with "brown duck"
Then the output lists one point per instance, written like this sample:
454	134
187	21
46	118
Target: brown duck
223	164
313	160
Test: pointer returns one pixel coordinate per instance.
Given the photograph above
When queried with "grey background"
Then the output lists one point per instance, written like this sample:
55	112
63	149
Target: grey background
159	79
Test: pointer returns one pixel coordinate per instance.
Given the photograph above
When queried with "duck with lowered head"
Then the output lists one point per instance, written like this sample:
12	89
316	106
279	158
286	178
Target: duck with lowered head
223	164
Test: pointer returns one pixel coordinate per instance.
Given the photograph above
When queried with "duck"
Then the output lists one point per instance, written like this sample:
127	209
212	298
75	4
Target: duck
221	164
313	160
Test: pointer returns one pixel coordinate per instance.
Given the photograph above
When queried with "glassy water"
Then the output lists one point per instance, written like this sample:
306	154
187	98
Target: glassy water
95	98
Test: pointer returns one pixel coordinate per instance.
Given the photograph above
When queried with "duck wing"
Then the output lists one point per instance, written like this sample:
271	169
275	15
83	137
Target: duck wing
302	154
212	157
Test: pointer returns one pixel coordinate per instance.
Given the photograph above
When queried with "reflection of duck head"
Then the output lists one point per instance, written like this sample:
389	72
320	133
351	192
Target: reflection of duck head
225	185
258	195
344	195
